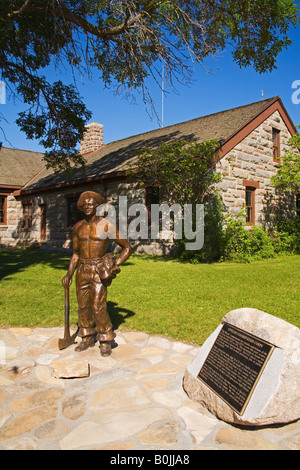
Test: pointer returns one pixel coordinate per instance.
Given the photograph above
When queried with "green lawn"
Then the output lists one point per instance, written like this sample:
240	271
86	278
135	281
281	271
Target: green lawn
156	295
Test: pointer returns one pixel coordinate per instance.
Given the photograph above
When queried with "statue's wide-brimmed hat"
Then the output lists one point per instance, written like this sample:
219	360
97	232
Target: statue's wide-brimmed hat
87	195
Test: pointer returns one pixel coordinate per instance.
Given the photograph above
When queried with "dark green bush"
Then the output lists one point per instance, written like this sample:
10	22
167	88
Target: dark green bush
287	235
230	239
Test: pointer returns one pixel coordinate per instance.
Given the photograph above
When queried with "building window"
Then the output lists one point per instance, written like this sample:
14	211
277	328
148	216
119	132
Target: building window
3	209
43	222
73	214
276	144
250	187
250	205
27	215
152	197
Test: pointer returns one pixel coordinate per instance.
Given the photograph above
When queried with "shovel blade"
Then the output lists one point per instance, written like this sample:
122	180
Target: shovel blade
64	343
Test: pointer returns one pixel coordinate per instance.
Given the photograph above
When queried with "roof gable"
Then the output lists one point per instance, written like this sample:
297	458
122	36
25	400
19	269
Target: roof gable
18	167
274	104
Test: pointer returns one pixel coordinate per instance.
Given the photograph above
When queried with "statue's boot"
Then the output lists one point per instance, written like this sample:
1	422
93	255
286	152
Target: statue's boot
87	342
105	348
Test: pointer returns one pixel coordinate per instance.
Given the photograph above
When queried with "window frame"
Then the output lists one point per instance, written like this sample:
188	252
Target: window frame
73	199
250	217
4	196
152	197
27	218
250	187
43	222
276	144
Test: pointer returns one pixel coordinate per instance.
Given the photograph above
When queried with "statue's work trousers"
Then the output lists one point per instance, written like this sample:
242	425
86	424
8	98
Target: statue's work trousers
91	297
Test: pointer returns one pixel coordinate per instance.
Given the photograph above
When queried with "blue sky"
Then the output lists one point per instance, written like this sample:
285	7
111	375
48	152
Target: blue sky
226	87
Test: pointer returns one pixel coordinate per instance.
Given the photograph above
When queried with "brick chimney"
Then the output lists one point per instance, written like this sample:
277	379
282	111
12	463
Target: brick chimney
92	139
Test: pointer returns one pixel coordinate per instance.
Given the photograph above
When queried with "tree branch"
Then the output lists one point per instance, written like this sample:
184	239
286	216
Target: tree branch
65	13
20	11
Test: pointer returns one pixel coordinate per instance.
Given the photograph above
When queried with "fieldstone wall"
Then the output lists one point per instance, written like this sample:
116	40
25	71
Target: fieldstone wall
14	216
59	234
252	160
14	234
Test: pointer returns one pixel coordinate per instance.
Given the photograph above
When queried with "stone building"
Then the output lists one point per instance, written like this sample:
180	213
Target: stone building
17	168
252	139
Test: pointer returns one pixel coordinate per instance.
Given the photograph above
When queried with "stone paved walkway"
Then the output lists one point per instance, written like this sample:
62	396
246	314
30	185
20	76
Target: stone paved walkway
132	400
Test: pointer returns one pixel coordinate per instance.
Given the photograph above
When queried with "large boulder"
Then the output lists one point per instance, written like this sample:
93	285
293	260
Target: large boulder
276	396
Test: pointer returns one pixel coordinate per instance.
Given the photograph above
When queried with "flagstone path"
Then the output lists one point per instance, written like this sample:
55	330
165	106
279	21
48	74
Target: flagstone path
132	400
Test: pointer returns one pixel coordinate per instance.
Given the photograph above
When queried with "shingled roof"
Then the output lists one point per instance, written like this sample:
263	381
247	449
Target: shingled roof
115	157
18	167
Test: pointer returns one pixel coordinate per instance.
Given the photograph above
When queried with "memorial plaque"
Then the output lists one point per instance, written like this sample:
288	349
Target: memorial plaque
234	365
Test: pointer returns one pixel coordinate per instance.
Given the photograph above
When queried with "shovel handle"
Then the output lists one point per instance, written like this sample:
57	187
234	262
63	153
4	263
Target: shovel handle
67	311
67	340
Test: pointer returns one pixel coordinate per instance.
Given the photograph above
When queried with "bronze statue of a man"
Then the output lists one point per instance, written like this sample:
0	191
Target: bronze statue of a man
95	270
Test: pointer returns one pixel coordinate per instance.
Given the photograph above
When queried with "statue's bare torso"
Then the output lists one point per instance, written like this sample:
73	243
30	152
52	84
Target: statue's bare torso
89	238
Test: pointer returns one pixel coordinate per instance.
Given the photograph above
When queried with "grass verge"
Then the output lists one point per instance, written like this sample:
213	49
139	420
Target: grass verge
152	294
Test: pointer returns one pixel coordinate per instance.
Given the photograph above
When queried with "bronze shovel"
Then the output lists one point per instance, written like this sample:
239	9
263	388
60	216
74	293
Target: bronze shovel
67	340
